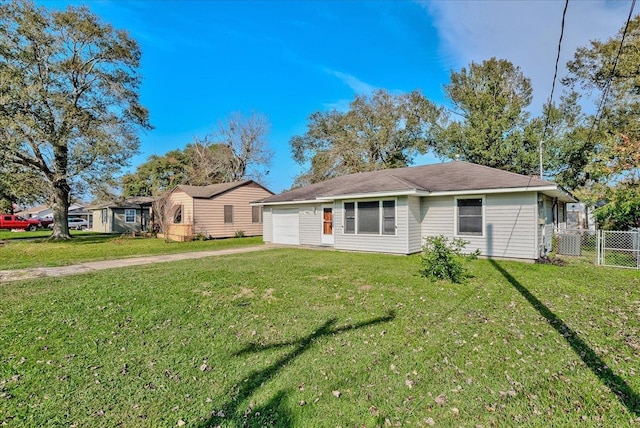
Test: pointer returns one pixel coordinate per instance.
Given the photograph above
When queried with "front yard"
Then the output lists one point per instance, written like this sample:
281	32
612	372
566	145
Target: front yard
293	337
20	252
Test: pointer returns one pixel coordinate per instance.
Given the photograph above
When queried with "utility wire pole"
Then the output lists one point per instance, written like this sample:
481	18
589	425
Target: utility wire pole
541	167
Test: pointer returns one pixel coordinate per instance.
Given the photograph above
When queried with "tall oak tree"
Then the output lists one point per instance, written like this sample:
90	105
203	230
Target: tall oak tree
607	74
69	103
377	132
489	124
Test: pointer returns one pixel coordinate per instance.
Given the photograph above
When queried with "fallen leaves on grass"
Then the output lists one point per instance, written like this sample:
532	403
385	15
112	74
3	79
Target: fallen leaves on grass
441	399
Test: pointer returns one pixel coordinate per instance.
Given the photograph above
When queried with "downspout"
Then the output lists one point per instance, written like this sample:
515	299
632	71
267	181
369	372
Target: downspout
556	214
540	225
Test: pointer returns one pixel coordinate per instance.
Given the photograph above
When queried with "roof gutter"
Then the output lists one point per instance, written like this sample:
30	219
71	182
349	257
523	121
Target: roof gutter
552	190
410	192
557	190
300	202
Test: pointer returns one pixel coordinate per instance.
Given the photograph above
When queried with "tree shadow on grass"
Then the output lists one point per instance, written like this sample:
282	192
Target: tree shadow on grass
626	395
275	412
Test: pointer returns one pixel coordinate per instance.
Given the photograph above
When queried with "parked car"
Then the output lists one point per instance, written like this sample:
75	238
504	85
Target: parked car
10	221
45	221
76	223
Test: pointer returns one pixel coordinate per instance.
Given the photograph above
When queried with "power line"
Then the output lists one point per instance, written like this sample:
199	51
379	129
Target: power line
553	87
555	73
605	92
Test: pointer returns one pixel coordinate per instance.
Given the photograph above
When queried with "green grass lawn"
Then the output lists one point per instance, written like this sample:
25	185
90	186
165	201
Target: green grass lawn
293	337
87	246
25	234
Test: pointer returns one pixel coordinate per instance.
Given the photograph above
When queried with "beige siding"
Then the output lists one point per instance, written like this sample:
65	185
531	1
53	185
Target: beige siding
98	225
397	243
310	224
267	225
509	224
178	232
414	216
208	214
183	231
177	198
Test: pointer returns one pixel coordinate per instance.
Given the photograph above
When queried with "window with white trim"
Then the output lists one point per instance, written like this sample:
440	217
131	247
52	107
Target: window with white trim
103	215
470	216
349	217
130	216
370	217
388	217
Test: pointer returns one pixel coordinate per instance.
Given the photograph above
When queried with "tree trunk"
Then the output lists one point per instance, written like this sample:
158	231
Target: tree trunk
60	206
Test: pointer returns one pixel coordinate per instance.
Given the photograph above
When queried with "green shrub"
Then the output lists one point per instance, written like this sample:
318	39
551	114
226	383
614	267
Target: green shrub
201	236
239	234
443	259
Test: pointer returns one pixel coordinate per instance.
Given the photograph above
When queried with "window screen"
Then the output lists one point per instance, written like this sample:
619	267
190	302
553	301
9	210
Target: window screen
228	213
388	217
256	214
369	217
349	217
470	216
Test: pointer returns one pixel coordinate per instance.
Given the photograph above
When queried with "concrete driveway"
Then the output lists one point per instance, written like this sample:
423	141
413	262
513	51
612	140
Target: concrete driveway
46	272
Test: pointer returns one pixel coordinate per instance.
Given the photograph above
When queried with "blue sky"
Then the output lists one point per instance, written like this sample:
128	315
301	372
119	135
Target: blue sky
203	60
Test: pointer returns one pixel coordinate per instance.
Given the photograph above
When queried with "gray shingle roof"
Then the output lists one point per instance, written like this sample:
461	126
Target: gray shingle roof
207	192
131	202
443	177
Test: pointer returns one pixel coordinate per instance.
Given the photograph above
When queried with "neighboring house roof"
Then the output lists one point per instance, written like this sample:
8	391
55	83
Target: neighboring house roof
426	180
34	210
212	190
45	210
78	211
132	202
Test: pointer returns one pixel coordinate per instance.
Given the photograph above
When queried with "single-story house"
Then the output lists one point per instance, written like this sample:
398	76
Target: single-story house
216	211
39	211
500	213
45	211
123	216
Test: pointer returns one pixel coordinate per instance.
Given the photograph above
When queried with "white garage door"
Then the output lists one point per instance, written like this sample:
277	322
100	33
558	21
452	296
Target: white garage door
286	226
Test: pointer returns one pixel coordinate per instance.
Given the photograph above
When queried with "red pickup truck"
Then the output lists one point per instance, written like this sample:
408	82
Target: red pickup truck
10	221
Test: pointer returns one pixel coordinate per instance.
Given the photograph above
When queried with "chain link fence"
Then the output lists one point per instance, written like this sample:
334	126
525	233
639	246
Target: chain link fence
616	248
604	247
